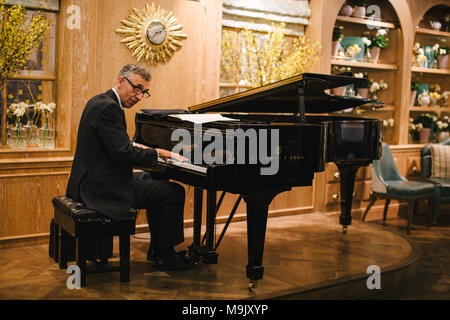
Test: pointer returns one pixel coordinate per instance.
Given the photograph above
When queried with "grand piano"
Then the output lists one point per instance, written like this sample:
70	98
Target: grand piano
257	144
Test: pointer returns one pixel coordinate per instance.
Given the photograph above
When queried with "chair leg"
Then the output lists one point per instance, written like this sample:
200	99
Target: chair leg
124	247
81	256
431	205
373	199
386	206
56	241
410	215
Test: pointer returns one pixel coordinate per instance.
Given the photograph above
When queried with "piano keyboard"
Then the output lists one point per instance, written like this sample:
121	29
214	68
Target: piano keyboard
185	165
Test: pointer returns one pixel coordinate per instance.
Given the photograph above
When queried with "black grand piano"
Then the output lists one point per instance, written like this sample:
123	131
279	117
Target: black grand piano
257	144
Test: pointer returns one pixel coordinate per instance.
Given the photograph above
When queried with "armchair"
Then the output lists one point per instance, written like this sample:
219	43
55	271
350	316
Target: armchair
388	183
442	184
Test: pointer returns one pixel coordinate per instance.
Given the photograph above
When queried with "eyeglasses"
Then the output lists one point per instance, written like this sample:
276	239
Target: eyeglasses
138	90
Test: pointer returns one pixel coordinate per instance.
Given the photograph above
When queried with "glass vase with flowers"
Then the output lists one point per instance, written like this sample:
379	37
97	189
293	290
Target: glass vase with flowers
17	139
442	127
46	133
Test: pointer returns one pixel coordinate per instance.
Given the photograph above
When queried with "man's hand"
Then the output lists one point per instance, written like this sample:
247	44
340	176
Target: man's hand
135	144
166	155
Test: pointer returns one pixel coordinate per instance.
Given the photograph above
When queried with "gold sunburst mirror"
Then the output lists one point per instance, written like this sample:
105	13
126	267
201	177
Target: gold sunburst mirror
152	33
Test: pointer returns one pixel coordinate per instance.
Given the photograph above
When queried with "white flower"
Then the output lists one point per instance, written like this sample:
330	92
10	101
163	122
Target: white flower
381	32
442	52
359	75
374	87
366	41
391	122
417	46
436	47
428	50
420	50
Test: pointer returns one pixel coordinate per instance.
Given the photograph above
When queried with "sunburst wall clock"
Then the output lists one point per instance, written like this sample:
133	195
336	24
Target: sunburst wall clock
152	33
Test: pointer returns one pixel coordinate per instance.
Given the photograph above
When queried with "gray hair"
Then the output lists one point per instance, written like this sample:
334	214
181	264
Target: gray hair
131	69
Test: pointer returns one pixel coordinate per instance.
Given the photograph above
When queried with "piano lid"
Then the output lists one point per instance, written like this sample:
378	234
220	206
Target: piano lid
283	96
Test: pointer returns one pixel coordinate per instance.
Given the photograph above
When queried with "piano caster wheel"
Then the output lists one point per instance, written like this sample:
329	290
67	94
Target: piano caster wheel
252	286
344	229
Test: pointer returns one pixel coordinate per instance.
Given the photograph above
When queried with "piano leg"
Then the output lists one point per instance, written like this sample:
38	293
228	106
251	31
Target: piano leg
258	202
347	174
197	251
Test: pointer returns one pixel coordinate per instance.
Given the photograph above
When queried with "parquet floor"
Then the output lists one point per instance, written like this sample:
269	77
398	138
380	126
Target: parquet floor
302	252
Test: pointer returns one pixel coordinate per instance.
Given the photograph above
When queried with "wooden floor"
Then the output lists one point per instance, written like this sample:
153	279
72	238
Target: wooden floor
306	256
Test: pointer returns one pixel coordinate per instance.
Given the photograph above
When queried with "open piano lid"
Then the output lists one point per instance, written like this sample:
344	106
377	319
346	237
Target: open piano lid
283	96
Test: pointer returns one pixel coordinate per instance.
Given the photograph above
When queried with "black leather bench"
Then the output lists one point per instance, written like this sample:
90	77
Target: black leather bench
78	234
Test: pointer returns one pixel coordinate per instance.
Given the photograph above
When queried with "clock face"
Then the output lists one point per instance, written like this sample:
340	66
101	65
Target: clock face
156	32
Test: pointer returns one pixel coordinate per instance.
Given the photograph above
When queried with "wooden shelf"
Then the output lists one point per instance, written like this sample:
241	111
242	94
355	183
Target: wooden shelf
381	66
430	70
433	32
430	109
366	21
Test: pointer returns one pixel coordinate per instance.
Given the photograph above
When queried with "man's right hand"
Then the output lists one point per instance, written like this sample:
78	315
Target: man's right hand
166	155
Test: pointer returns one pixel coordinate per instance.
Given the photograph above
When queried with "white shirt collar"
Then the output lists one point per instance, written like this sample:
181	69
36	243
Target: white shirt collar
118	98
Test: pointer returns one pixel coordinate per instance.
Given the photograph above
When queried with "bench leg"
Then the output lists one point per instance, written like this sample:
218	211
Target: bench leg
62	248
81	256
124	246
55	241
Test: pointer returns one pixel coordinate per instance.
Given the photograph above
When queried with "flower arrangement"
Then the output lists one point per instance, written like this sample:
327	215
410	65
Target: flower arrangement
442	125
425	120
17	110
338	33
388	123
18	38
377	86
353	50
258	61
419	55
45	110
380	39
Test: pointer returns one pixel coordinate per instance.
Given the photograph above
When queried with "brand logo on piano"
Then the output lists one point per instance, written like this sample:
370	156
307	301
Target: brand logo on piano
234	146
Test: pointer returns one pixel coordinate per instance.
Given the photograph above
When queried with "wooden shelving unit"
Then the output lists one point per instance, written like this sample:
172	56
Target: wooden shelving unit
369	65
367	21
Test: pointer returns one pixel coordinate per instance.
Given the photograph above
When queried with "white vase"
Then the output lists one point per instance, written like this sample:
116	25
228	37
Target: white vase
441	136
374	54
443	61
413	97
359	12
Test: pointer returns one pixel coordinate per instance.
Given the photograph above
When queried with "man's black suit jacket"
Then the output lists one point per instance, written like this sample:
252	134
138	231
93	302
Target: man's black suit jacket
102	169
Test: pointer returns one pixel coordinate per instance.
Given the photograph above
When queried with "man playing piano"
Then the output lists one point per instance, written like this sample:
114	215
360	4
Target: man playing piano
102	171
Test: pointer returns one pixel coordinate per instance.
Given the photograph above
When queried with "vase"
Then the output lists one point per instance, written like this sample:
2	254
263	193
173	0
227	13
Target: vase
346	10
424	99
46	138
32	134
363	93
443	61
335	48
17	139
441	136
374	54
413	97
359	12
339	91
424	135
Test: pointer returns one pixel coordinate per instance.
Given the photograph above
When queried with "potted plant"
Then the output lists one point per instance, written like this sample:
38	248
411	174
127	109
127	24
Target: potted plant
441	128
378	41
362	88
338	34
441	55
425	124
359	8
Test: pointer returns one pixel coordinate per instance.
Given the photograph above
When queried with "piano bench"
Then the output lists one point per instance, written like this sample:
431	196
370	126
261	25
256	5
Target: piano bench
78	234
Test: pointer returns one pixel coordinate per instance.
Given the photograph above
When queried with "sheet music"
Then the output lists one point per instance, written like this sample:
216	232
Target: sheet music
186	165
202	118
